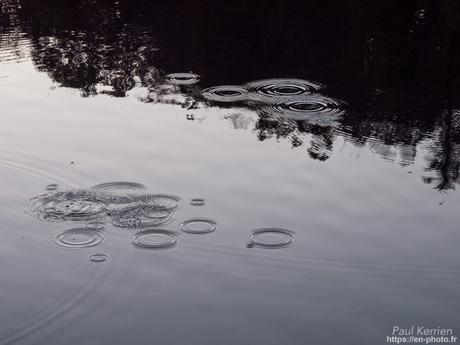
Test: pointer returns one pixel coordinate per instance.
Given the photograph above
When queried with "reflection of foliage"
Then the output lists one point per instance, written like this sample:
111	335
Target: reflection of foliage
84	59
444	161
9	13
86	44
397	68
321	138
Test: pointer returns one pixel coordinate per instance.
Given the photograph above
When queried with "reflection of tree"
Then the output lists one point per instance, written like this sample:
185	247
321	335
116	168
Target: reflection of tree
12	42
87	44
320	137
84	59
444	162
397	63
9	13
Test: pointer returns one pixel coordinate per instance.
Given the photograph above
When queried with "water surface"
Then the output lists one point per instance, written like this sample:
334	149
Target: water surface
145	149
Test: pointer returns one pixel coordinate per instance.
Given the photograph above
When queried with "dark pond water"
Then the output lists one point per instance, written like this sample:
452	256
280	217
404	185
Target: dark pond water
228	173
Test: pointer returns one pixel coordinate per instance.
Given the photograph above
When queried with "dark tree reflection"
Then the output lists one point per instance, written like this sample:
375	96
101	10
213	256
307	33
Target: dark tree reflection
395	62
84	44
84	59
444	161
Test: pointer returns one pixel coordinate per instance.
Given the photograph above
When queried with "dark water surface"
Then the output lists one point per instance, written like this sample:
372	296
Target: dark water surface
239	173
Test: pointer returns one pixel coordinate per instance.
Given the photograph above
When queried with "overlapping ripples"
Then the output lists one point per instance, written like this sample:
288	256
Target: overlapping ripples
78	205
265	90
123	204
127	205
282	98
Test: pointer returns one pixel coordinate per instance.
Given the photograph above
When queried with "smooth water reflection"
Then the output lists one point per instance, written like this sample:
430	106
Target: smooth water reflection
333	142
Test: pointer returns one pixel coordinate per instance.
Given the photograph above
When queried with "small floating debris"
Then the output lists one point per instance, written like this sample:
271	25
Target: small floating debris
199	226
270	238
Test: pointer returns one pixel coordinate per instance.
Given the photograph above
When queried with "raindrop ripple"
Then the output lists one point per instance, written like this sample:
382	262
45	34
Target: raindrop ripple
315	109
269	89
190	226
98	258
119	187
284	238
155	239
183	78
226	93
78	238
77	205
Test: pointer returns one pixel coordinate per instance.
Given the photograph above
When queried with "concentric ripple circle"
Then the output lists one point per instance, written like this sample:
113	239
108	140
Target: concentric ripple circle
98	257
271	238
198	202
226	93
262	90
52	186
96	225
316	109
183	78
155	239
119	188
160	201
78	238
157	214
199	226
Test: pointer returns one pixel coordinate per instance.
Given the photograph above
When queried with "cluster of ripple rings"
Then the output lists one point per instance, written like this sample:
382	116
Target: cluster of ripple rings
296	99
226	93
199	226
126	203
77	205
155	239
281	88
282	238
78	238
183	78
142	216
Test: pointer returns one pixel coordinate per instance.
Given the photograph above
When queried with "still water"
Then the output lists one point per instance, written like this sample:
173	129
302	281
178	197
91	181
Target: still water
205	173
